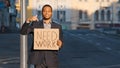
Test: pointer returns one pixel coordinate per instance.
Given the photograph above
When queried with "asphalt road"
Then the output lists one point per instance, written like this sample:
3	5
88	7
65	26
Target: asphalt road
81	49
90	49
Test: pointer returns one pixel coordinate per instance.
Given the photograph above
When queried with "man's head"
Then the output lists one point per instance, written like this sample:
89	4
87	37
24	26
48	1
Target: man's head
47	12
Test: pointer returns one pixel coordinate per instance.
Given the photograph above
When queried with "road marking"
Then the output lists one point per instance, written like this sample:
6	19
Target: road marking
97	43
9	60
108	48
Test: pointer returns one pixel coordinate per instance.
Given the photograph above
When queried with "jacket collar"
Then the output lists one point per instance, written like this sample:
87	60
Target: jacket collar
42	24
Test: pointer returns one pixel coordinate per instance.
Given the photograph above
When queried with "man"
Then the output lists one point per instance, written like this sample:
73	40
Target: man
43	58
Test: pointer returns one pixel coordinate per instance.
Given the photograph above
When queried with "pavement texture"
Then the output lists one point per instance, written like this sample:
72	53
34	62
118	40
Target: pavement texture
81	49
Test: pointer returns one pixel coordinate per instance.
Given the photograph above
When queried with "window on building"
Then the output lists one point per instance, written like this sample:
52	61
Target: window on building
80	14
61	15
58	15
108	15
118	15
86	15
64	16
102	15
39	13
96	16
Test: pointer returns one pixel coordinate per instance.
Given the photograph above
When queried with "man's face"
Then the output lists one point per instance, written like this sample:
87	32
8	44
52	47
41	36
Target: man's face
47	13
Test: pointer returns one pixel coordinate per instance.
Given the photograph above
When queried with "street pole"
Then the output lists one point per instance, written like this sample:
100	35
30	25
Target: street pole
23	38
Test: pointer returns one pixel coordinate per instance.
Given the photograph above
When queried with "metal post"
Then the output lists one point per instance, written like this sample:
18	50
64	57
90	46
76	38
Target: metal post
23	38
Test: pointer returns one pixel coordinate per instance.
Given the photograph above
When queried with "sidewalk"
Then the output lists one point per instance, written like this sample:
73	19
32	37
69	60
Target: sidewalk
9	50
76	53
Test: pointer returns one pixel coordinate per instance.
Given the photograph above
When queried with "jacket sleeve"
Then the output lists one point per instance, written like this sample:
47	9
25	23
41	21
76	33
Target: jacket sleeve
61	36
26	29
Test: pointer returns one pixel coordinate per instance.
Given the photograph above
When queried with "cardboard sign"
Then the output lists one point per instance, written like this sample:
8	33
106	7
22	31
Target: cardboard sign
46	39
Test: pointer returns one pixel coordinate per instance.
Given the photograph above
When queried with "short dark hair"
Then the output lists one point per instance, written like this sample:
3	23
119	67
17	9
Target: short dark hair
47	5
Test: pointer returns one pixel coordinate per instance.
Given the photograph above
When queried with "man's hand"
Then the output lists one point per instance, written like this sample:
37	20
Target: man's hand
30	19
59	43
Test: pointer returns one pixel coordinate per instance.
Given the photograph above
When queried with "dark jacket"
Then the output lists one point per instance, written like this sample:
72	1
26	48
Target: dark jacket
38	56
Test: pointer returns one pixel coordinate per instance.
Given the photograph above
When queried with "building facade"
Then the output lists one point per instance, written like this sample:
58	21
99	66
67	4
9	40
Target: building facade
73	14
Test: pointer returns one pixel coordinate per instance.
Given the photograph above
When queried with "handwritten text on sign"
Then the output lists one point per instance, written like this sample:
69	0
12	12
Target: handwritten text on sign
46	39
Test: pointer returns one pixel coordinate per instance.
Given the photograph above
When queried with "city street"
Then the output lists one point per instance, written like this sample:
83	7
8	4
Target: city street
89	49
81	49
98	47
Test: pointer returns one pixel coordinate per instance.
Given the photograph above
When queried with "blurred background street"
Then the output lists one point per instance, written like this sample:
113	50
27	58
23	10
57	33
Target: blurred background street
91	31
82	49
